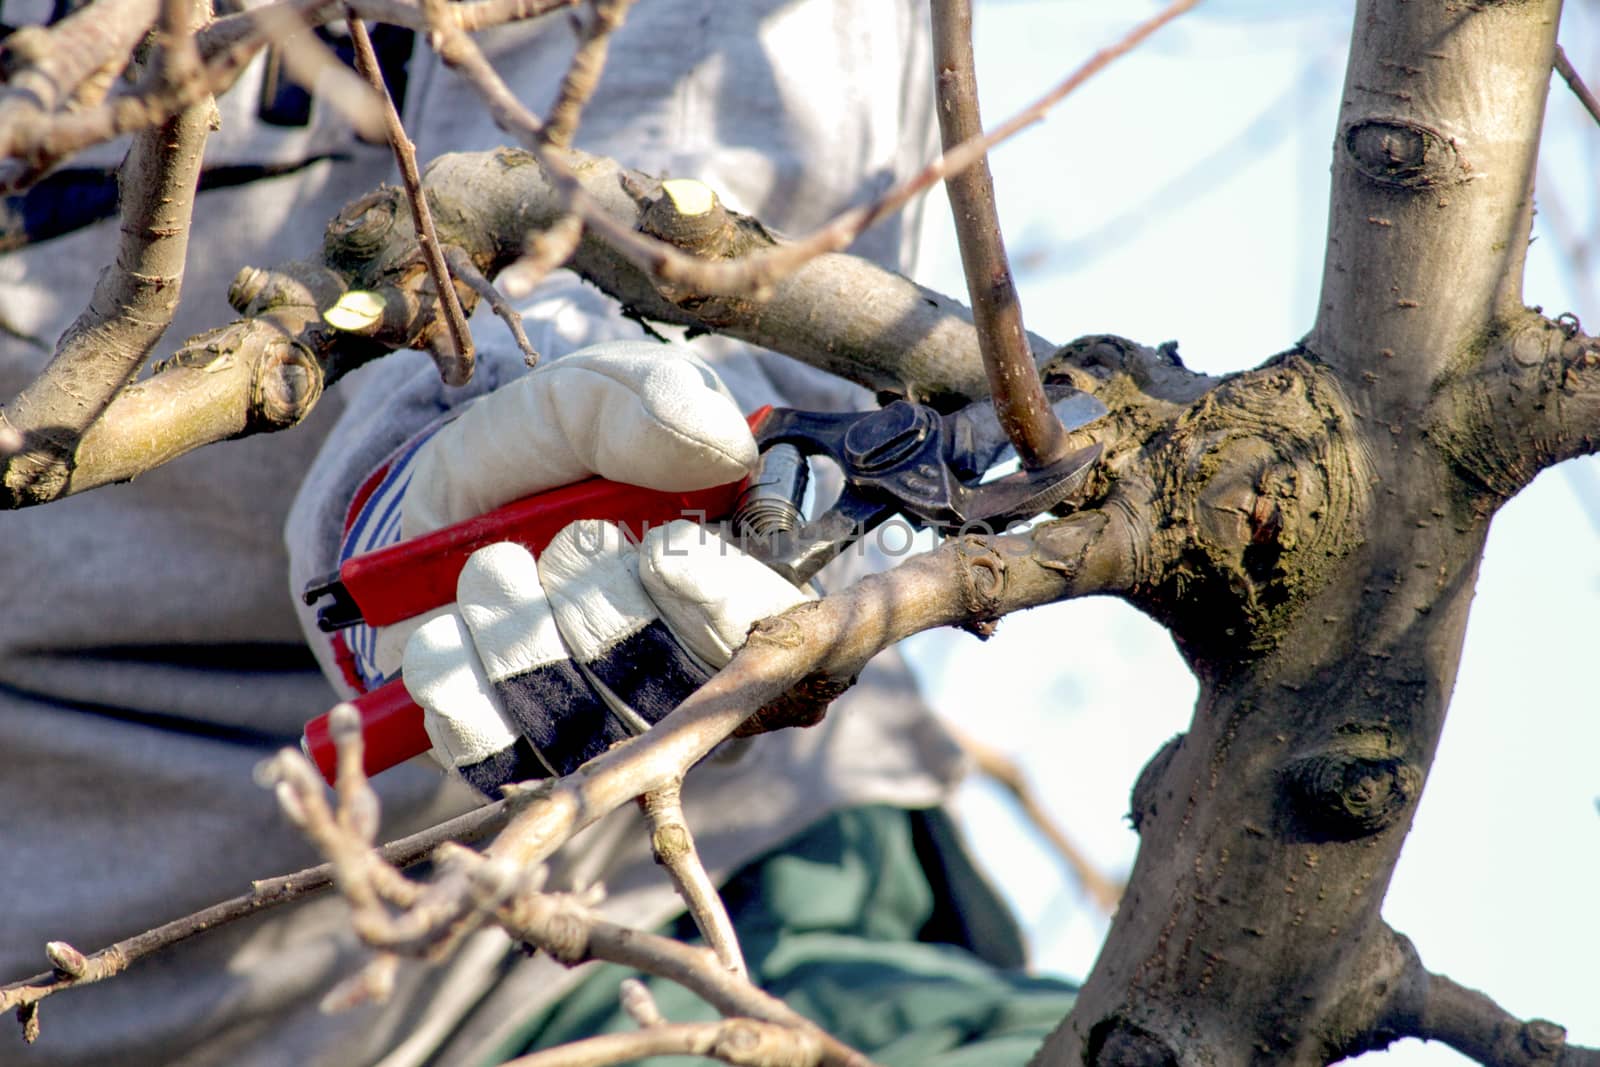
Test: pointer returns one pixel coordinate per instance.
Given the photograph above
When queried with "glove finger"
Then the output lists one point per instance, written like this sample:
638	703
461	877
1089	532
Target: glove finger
380	652
632	411
471	733
591	575
538	686
708	591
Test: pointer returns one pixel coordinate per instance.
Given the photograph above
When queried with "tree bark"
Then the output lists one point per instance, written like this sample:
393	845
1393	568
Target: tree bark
1336	526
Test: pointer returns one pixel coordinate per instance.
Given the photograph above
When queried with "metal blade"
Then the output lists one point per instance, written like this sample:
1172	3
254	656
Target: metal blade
978	442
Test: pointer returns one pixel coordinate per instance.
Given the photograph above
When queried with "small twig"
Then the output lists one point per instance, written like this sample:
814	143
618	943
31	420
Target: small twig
673	847
1574	81
755	273
475	887
467	272
638	1002
264	894
455	365
568	928
748	1042
1014	385
1008	774
583	74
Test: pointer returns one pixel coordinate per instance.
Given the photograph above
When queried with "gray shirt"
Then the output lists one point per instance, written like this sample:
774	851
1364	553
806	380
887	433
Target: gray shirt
152	654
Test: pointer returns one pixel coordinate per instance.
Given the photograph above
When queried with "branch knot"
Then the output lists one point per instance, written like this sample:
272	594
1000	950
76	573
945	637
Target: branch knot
983	580
1357	785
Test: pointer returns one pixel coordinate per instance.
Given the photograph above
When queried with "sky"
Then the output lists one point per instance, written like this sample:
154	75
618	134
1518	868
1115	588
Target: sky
1182	195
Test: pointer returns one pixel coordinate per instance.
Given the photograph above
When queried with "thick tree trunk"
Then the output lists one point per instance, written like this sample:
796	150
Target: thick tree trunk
1329	574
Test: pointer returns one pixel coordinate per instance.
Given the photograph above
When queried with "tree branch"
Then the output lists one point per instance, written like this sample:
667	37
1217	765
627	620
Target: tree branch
672	844
1435	1008
1574	80
267	373
1014	385
133	303
265	893
1533	402
562	924
583	76
748	1042
455	364
45	66
268	370
35	142
467	272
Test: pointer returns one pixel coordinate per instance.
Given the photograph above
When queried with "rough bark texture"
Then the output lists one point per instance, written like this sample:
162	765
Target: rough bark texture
1334	506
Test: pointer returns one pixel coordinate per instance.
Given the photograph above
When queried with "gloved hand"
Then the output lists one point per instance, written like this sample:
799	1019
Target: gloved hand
539	666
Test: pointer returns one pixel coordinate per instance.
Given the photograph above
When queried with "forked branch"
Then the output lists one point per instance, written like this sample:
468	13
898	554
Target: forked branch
562	924
132	305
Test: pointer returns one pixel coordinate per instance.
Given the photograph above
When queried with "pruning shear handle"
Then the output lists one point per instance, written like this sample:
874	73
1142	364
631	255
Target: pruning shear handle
905	459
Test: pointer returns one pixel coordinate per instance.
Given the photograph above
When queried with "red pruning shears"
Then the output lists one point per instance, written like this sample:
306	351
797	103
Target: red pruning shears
905	459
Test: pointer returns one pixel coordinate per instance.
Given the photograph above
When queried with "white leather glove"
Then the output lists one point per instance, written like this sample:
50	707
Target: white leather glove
539	667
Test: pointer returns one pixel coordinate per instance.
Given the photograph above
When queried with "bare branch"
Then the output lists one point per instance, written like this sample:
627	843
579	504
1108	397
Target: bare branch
673	847
37	142
467	272
1574	81
1400	305
266	893
477	887
55	64
1435	1008
267	371
48	65
133	303
455	365
178	60
1014	384
748	1042
583	75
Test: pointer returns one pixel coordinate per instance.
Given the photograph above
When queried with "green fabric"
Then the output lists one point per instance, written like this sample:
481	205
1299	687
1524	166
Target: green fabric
830	923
